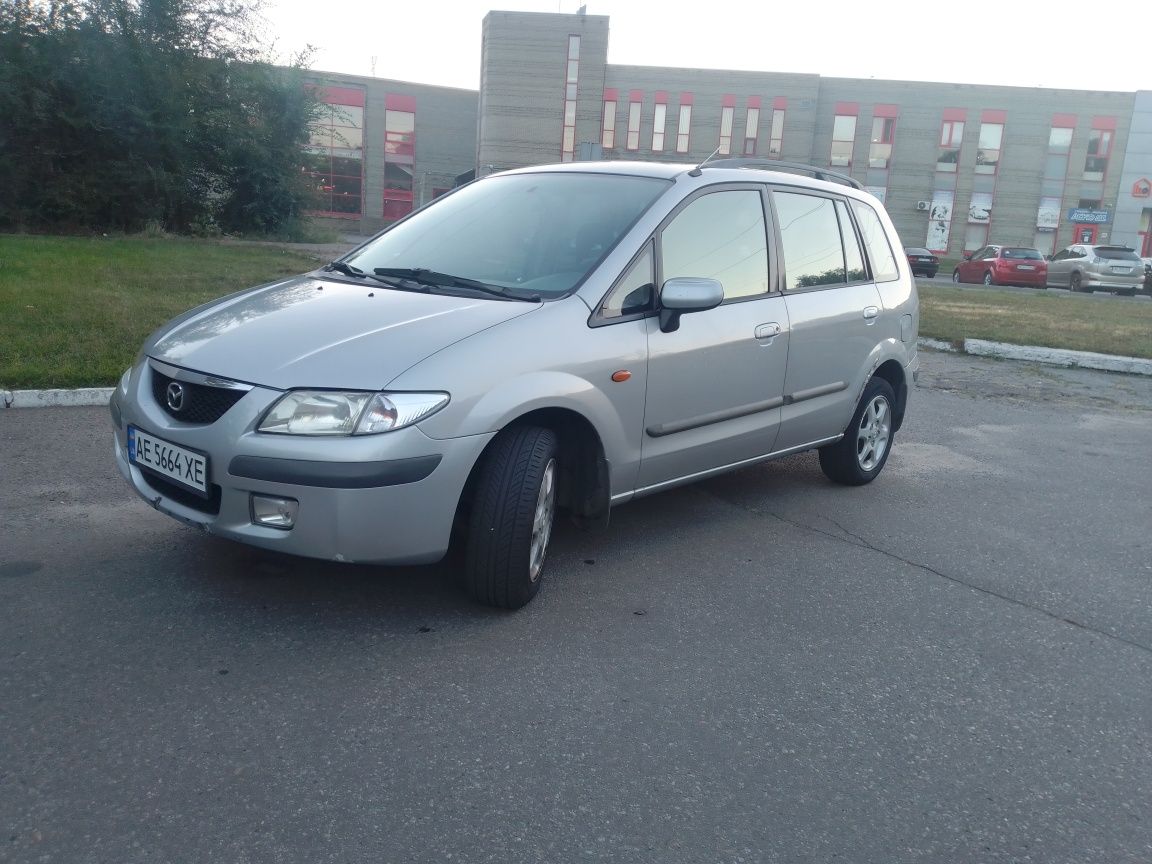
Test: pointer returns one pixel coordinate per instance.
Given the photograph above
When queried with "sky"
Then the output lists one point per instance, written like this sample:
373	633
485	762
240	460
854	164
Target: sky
1009	42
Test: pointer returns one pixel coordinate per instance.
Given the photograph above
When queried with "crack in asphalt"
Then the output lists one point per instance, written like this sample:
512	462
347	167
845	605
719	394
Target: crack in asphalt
862	543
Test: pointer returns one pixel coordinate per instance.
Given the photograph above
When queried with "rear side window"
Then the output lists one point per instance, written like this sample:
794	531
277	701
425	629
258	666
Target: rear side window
719	236
876	243
852	255
810	233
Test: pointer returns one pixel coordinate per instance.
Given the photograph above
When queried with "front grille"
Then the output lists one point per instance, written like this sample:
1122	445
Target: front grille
209	505
202	404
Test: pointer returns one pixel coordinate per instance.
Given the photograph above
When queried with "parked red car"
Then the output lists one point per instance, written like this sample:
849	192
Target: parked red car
1003	265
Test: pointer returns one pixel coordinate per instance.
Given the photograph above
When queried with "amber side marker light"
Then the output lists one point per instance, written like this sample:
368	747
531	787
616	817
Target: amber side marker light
622	375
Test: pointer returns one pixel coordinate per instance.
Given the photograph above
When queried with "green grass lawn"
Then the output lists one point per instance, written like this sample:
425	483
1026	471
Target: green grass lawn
1048	319
74	311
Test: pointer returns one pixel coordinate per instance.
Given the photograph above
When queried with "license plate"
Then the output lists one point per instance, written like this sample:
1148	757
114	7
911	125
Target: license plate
1121	269
177	464
1025	267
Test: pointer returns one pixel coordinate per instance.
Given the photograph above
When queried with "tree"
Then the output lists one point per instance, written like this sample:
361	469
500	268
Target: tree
121	113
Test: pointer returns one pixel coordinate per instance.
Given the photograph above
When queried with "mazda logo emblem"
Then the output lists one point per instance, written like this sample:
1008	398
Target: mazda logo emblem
175	396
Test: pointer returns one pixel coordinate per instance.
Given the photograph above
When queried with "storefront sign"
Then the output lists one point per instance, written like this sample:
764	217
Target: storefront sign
1084	216
1142	188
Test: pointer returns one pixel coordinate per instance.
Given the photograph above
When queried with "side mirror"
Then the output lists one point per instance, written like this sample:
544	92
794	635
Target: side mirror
685	294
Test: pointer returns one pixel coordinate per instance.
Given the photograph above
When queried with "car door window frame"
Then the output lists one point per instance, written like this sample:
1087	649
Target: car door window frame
820	193
772	252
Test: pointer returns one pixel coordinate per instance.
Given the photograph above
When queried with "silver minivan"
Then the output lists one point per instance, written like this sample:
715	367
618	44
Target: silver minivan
560	338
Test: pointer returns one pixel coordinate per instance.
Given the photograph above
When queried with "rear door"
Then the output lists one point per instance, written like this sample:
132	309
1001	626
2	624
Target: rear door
835	311
715	385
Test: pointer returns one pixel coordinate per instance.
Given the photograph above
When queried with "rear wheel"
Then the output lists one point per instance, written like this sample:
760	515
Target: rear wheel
511	517
861	454
988	280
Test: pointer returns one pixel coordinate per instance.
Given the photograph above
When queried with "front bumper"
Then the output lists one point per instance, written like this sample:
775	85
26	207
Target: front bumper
382	499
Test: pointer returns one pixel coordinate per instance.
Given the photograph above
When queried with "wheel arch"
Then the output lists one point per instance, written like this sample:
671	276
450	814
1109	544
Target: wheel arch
584	487
892	372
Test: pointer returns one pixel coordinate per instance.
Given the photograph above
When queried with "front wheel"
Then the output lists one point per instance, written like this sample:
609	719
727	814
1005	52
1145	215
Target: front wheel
511	517
956	276
861	454
1074	284
988	280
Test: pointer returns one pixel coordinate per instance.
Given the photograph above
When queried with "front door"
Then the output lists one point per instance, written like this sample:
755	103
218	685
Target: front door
715	385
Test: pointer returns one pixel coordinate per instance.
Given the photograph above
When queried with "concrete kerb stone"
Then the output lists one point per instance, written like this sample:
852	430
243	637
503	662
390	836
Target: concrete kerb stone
977	347
55	398
1059	357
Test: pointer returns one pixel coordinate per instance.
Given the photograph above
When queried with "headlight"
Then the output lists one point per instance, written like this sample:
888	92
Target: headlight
329	412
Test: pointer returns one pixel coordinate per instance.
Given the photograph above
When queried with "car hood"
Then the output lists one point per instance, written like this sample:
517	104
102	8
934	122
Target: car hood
309	332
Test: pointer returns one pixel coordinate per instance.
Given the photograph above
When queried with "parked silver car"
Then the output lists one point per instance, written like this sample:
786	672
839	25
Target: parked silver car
557	338
1082	267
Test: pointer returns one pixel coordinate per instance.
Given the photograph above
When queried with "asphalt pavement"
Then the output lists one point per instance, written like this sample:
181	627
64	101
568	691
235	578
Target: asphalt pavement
953	664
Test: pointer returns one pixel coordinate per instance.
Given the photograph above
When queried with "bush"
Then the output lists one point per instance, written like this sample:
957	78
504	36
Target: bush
128	115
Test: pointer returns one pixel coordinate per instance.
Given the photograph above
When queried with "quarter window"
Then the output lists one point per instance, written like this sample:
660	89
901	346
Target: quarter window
853	258
719	236
634	293
876	243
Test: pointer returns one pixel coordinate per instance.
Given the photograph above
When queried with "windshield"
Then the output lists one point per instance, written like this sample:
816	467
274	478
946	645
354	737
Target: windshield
539	233
1116	254
1025	254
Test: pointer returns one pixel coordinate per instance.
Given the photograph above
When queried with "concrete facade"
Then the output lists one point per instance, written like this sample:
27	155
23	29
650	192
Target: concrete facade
445	141
536	106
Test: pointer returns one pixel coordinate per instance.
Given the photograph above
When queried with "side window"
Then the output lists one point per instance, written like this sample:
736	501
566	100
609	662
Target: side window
719	236
810	233
876	243
852	255
636	290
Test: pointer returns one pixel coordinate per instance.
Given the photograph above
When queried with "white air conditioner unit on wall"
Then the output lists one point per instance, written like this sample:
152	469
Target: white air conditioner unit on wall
922	205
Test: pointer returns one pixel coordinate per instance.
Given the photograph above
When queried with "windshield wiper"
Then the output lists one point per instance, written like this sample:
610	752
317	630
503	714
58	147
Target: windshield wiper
346	269
445	280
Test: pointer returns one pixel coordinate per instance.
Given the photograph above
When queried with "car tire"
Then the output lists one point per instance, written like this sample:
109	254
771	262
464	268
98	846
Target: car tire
511	518
861	454
1074	283
988	280
956	276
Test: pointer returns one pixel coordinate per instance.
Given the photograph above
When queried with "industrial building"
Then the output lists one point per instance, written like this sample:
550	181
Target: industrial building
957	165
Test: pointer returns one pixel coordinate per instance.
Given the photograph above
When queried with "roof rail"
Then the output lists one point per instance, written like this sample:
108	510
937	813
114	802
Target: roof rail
794	167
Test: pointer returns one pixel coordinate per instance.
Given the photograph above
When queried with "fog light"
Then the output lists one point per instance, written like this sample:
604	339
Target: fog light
274	512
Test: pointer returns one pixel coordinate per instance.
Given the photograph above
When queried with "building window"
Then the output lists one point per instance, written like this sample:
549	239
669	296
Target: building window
880	148
568	137
659	121
727	110
685	126
988	148
752	126
1099	149
843	137
334	157
608	129
399	154
776	139
634	103
951	140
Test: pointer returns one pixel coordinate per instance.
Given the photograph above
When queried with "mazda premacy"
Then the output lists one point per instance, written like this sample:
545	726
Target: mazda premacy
545	340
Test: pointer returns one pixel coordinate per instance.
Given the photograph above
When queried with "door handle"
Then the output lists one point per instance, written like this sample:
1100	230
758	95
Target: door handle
767	331
871	312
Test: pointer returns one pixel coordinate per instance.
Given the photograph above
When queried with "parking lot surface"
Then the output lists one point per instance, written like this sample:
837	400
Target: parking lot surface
951	664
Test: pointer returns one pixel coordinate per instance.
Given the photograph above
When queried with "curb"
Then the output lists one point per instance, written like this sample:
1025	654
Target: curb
1050	356
55	398
975	347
